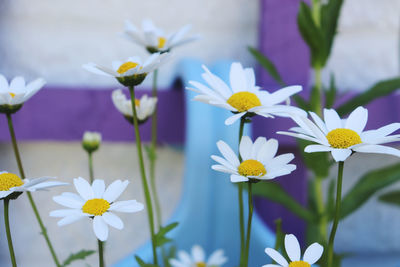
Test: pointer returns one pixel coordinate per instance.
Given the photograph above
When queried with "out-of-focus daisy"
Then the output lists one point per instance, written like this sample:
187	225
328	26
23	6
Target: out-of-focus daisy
13	95
198	258
131	71
96	202
154	39
312	254
243	97
11	183
341	137
145	106
259	161
91	141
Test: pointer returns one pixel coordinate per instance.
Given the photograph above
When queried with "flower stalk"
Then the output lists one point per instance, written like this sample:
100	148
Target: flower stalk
8	231
249	220
337	213
153	156
143	175
101	253
240	197
31	201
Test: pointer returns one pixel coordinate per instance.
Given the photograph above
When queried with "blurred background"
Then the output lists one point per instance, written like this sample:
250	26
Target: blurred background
52	39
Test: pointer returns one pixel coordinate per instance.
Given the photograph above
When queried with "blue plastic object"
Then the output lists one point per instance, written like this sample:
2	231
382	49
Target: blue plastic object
208	211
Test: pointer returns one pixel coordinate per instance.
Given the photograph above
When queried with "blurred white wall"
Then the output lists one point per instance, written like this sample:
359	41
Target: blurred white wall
367	45
54	38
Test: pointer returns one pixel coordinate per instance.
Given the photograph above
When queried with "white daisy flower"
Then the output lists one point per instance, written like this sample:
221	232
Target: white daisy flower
259	161
91	141
17	92
95	202
154	39
243	97
131	71
198	258
11	183
145	106
341	137
312	254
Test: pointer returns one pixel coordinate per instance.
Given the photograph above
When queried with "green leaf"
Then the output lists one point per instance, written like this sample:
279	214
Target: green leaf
330	14
367	186
380	89
143	264
160	237
301	102
319	163
312	35
267	64
330	94
391	198
80	255
273	191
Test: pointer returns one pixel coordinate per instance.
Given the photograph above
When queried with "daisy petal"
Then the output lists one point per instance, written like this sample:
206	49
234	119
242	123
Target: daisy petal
68	201
245	147
98	188
292	247
238	178
340	154
317	148
377	149
332	119
114	190
83	188
228	153
127	206
357	120
217	258
313	253
70	219
113	220
198	254
276	256
100	228
232	119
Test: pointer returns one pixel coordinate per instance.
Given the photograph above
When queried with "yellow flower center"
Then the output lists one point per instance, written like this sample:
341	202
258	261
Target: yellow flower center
251	167
12	95
96	206
126	66
137	102
9	180
244	101
161	42
201	264
299	264
343	138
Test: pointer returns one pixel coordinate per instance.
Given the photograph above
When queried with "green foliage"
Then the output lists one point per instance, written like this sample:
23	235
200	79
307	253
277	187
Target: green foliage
367	186
151	153
312	35
380	89
319	35
330	94
143	264
160	237
80	255
276	193
267	65
391	198
318	163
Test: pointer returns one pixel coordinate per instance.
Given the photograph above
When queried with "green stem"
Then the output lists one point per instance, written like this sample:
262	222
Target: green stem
31	201
9	240
91	175
153	157
337	213
323	222
143	175
249	220
240	197
316	12
318	86
101	253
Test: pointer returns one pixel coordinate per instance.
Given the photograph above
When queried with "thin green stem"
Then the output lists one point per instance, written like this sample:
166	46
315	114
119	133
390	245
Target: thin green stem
143	175
323	222
249	220
318	86
101	253
91	175
240	197
31	201
153	156
9	239
337	213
